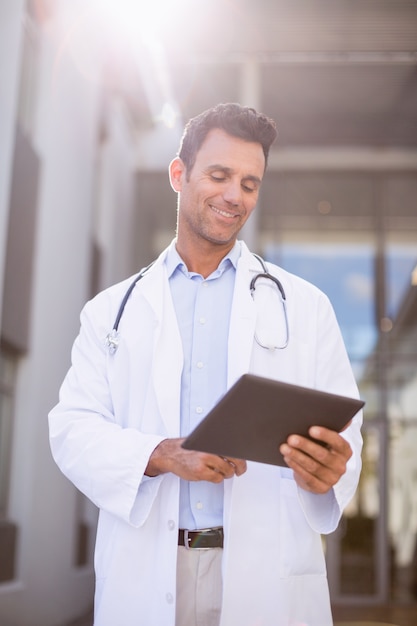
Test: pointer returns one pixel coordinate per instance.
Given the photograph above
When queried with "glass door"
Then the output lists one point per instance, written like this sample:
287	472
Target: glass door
355	237
342	264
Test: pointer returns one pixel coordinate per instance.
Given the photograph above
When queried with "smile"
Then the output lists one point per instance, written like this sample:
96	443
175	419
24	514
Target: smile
223	213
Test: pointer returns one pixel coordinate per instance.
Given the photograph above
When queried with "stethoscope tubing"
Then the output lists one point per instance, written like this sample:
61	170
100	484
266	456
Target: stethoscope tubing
127	295
277	282
112	338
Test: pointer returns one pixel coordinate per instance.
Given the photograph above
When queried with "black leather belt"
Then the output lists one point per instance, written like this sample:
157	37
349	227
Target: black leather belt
207	538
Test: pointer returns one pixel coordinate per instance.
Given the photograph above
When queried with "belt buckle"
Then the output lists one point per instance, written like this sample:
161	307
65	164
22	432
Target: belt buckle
187	539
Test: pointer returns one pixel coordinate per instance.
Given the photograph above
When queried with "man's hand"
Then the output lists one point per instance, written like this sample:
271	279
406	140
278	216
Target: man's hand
169	456
317	468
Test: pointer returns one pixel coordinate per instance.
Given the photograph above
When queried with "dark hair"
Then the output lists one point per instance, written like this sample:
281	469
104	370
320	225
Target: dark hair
236	120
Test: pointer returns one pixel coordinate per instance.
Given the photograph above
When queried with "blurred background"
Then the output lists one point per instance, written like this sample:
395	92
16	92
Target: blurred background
93	98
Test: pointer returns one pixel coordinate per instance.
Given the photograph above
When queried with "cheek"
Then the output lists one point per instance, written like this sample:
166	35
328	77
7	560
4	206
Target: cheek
202	191
210	190
250	203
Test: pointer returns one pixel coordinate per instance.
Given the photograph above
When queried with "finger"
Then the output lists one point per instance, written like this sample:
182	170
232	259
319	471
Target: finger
310	473
214	475
324	440
316	468
230	467
222	466
316	460
308	481
333	440
238	465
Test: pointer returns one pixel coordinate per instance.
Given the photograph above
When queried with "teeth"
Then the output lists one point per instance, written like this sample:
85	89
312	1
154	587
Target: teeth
220	212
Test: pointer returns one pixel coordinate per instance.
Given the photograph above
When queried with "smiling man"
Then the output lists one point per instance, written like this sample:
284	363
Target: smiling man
187	538
216	197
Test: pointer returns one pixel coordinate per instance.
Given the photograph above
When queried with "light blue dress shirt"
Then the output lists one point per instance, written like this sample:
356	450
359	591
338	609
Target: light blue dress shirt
203	312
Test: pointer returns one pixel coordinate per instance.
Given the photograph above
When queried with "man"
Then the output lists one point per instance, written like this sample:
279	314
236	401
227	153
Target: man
187	538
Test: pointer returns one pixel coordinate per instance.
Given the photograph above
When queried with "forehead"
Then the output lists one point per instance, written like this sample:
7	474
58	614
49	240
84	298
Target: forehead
220	148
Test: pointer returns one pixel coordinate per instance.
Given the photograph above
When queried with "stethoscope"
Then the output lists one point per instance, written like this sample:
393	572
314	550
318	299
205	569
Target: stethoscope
113	337
281	292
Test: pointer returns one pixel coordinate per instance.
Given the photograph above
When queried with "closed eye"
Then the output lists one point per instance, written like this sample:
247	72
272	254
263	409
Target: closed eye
249	184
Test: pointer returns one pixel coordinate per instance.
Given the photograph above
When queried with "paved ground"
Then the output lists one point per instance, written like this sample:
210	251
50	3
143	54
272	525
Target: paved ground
398	616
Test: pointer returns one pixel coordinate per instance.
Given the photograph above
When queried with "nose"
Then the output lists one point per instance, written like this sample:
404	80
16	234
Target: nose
232	192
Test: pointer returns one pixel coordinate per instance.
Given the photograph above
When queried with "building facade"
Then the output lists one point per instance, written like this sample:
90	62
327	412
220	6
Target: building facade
88	125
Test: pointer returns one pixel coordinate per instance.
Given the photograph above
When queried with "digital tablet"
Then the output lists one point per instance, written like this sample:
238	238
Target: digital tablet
257	415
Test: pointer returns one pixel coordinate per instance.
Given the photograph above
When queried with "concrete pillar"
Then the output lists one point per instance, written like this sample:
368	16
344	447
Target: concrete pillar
250	95
10	37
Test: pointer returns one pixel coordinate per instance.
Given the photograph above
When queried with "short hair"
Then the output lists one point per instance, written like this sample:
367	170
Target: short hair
236	120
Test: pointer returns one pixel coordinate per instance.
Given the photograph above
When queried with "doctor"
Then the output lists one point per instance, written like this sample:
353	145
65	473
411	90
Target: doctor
188	538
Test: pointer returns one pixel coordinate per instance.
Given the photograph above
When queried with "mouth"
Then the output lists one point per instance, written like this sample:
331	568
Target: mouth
223	213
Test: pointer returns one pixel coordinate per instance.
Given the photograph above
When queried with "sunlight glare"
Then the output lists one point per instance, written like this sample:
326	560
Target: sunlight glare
109	31
134	19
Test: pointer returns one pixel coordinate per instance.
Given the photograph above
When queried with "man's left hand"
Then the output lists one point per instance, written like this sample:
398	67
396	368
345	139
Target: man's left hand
317	468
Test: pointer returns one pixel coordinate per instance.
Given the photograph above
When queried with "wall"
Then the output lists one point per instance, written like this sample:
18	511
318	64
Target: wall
49	589
10	33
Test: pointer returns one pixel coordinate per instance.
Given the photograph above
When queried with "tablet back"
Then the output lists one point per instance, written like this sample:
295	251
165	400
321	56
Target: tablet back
257	414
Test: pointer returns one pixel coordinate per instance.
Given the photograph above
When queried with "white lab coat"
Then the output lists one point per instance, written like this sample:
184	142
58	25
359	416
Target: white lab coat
114	410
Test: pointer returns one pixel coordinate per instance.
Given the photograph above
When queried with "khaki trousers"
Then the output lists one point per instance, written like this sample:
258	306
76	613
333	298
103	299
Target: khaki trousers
199	586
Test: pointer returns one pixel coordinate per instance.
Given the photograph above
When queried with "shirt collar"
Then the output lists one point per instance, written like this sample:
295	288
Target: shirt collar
174	261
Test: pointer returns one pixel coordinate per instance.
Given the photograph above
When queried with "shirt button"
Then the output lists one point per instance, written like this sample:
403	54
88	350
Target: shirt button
171	524
169	598
202	320
198	409
199	506
200	365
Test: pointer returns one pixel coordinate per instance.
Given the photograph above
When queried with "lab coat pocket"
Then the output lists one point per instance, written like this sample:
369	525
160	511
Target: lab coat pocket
301	547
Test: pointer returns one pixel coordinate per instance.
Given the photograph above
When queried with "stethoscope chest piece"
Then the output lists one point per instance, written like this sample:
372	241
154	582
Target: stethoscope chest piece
112	340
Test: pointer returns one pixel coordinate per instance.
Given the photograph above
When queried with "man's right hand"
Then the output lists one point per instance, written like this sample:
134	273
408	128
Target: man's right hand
191	465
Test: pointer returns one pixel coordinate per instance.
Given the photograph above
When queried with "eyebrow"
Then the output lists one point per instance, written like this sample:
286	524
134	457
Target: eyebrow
229	171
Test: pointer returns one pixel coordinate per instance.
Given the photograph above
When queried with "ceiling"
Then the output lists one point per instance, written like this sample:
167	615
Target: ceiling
338	76
339	73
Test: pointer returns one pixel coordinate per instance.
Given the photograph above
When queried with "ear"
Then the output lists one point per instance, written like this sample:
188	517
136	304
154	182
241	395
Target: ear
176	173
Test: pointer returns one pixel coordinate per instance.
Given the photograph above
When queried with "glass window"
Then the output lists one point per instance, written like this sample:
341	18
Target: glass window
345	272
357	241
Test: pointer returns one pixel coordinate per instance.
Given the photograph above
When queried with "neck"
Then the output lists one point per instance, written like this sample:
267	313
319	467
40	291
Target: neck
206	258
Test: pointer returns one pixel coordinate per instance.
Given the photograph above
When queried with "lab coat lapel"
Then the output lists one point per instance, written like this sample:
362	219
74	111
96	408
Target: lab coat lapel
242	319
168	354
